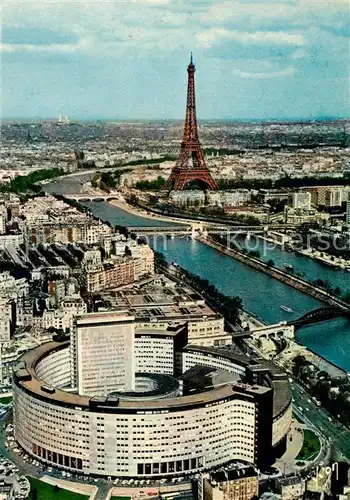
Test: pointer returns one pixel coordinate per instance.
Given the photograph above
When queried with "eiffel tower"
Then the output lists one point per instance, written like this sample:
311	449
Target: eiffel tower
190	165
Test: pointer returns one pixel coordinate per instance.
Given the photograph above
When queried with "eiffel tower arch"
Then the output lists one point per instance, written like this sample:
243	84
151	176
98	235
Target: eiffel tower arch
190	165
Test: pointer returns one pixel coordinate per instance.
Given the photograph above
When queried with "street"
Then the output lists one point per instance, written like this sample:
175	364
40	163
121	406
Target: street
336	434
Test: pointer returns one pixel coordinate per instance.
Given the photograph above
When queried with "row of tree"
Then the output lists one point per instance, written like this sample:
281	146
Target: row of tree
155	185
31	182
229	307
333	394
285	182
325	284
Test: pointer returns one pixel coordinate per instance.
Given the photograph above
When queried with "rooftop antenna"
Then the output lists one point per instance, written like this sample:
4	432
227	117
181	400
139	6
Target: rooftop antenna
191	58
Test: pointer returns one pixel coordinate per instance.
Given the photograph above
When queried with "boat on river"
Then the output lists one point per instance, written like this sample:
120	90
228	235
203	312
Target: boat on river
286	309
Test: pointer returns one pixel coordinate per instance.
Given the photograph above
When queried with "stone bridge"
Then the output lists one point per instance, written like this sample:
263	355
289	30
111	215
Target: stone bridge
277	331
85	197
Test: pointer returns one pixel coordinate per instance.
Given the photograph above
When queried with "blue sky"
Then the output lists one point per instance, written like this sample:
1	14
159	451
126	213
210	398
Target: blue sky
127	59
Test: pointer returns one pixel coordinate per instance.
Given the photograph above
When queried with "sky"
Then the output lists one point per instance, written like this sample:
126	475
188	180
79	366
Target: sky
117	59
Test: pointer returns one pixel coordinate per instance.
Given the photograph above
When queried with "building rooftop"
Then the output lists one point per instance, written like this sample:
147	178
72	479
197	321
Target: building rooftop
158	303
233	474
25	377
203	378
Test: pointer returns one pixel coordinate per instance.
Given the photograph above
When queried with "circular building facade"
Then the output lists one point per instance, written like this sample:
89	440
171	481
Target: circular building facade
226	409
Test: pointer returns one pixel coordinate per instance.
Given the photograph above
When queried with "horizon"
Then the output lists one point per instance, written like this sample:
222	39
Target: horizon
73	120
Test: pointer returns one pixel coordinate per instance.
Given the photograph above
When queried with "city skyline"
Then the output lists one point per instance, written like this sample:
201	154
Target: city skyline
126	61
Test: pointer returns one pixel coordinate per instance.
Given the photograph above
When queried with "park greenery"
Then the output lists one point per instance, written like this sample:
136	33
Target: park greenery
73	203
108	180
40	490
311	446
23	184
333	393
111	179
155	185
5	400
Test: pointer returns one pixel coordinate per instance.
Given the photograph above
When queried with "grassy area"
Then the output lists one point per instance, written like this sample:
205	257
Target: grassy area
5	400
45	491
311	446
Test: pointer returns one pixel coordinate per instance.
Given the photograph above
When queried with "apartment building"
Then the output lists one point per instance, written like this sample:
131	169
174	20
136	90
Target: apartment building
236	484
113	273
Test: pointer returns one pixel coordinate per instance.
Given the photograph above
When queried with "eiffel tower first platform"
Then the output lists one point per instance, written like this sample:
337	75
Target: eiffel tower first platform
190	165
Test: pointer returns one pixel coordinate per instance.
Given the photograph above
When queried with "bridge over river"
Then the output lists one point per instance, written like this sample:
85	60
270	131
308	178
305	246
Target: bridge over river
319	315
315	316
195	228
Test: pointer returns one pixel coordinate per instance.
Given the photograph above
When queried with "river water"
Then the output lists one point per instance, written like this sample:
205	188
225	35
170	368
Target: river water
261	294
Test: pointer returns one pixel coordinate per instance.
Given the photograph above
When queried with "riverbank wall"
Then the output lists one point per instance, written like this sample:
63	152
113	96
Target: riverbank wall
288	279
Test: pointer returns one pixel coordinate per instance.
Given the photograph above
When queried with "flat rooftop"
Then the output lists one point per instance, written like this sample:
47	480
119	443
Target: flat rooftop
203	378
155	302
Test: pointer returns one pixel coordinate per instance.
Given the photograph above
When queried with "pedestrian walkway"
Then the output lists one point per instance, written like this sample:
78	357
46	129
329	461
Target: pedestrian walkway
103	493
295	439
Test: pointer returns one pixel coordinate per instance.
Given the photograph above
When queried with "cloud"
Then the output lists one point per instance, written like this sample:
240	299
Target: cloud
299	54
55	48
35	36
264	75
208	38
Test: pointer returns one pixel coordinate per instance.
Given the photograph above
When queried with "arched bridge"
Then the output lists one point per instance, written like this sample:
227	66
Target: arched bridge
92	197
319	315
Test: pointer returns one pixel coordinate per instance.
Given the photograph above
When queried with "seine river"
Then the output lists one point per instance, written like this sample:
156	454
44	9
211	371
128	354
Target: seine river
261	294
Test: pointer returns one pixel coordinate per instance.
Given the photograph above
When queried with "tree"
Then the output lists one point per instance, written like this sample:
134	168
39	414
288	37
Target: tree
122	230
270	263
156	185
323	375
254	253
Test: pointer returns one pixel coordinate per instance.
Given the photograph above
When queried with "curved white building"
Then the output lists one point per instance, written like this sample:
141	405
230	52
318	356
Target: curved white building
220	407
